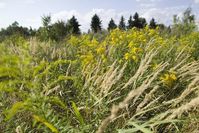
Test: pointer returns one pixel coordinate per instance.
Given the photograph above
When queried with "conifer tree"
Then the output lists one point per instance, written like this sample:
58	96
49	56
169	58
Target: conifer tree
152	24
136	22
74	26
143	22
96	24
139	22
112	25
130	23
122	25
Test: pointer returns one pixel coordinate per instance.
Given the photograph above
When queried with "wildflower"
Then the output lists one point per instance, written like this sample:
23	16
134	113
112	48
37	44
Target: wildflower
130	44
135	50
100	50
86	59
74	40
155	66
168	79
126	56
134	58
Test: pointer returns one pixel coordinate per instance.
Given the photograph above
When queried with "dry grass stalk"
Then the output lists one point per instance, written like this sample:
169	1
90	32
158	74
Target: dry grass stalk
146	84
144	64
179	55
184	108
191	88
55	89
107	80
110	78
147	99
135	93
92	75
188	69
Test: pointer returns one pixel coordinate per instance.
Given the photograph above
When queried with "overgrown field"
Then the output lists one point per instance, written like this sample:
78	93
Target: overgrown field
139	80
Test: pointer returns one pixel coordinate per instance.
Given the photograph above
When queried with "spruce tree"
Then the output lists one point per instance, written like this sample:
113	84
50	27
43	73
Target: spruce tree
112	25
130	23
143	22
96	24
74	26
136	21
152	24
122	25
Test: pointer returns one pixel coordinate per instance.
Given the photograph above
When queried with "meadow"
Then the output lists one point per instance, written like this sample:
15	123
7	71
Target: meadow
140	80
124	79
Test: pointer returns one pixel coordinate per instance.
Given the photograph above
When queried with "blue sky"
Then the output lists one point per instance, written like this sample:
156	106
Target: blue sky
29	12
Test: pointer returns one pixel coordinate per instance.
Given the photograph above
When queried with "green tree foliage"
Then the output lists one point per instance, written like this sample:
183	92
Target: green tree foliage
143	22
46	20
59	31
188	17
74	26
122	25
14	30
112	25
88	80
44	32
138	22
184	25
130	23
96	24
152	24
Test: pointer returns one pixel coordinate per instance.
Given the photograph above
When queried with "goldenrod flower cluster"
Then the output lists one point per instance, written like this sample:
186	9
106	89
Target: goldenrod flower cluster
127	45
168	79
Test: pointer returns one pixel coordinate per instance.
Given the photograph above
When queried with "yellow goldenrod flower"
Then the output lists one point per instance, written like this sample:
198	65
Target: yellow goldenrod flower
168	79
134	58
126	56
100	50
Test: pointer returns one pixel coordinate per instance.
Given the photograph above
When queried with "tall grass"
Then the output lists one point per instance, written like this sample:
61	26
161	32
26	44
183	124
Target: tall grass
50	87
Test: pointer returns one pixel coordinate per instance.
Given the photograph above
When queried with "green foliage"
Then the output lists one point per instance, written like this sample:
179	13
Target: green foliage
138	22
130	23
77	113
74	26
122	25
184	25
15	30
112	25
47	124
74	85
96	24
152	24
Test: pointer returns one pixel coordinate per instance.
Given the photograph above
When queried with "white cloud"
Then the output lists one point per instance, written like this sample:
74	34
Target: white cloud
196	1
2	5
31	1
85	18
149	5
164	15
161	15
148	0
33	22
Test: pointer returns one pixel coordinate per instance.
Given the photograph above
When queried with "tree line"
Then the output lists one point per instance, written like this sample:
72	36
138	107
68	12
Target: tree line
59	30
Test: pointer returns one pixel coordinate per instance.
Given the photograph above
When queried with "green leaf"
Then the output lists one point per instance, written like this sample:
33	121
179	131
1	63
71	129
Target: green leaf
47	124
141	128
57	101
77	113
17	107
